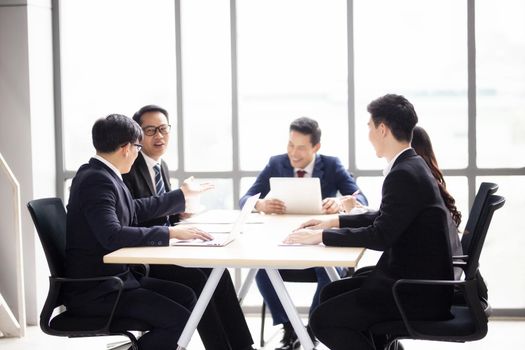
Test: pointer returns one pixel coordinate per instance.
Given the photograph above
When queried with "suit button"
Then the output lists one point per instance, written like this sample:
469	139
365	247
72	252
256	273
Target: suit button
151	243
159	243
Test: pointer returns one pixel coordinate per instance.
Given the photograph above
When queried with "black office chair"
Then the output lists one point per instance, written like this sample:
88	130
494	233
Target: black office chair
49	218
484	191
469	319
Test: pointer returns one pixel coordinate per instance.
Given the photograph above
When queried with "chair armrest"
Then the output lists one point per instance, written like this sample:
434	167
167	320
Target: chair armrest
461	264
469	287
460	257
90	279
54	292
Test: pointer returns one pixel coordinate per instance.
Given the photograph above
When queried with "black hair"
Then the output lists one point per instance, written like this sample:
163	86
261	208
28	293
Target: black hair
423	146
397	113
307	126
146	109
114	131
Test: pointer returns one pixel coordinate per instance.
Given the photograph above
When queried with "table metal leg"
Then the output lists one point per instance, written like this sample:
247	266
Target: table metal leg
290	309
247	284
200	306
332	273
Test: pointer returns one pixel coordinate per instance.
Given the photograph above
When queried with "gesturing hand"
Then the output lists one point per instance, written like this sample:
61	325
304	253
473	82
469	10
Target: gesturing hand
191	188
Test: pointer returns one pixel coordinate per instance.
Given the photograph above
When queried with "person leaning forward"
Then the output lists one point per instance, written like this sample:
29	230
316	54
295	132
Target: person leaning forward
410	228
103	217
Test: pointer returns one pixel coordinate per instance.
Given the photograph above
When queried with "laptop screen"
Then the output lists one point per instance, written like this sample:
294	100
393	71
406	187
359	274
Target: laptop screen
300	195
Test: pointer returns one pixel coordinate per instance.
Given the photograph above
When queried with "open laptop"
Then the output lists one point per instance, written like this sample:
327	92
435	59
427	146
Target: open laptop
300	195
222	238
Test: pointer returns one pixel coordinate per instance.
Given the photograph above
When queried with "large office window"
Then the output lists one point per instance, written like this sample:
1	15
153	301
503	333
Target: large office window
113	61
233	74
292	63
500	83
417	49
206	85
500	78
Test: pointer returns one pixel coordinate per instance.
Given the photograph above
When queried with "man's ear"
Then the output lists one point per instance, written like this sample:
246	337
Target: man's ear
384	130
317	147
125	150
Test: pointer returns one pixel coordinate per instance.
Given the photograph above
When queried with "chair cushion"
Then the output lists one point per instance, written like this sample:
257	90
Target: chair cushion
460	325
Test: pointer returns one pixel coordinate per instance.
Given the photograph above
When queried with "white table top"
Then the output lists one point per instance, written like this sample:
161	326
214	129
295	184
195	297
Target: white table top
257	247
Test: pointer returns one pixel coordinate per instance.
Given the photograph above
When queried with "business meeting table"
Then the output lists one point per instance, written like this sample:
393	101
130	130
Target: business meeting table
257	247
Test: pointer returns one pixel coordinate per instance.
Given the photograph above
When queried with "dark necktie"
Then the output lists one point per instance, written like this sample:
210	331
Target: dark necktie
159	183
300	173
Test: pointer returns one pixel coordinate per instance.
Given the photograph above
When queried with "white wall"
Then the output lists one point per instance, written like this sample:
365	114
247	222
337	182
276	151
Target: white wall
27	124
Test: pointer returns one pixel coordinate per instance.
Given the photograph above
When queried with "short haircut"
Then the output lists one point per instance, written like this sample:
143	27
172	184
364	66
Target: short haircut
397	113
114	131
146	109
307	126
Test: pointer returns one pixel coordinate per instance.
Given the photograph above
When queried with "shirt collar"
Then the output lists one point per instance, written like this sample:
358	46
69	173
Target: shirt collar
309	168
391	163
109	165
150	161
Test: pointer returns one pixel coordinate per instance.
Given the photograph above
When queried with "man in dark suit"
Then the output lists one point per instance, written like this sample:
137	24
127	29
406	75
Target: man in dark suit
410	228
301	160
103	217
222	325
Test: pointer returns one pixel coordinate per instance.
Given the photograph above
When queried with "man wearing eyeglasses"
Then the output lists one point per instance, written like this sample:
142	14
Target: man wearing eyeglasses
222	325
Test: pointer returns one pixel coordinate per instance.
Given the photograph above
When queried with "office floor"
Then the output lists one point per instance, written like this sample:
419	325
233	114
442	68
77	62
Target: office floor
502	335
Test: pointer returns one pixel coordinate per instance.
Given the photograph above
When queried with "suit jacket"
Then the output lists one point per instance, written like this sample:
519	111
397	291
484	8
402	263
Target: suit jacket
101	218
329	170
411	229
140	185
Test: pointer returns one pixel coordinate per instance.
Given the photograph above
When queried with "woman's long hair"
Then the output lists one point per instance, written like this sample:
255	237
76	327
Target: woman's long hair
423	146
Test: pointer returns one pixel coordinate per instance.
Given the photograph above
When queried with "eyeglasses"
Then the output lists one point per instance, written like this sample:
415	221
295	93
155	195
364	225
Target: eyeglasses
152	130
138	145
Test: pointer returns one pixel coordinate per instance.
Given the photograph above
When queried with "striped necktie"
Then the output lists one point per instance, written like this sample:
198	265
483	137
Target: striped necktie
159	183
159	187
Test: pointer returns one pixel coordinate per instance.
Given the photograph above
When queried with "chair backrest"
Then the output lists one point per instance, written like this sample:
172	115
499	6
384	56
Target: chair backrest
484	191
49	218
492	203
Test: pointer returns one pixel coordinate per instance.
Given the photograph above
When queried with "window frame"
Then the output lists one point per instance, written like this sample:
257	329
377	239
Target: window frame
471	172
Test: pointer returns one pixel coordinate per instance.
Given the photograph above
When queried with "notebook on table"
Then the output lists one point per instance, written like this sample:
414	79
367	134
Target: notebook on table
221	237
300	195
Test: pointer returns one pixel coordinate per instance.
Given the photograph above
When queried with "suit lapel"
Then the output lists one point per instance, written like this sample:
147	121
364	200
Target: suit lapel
165	175
318	167
143	171
287	167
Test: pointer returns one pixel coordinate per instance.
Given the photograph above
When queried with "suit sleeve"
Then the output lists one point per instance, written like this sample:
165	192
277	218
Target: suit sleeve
170	203
365	219
99	206
346	183
399	206
261	185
